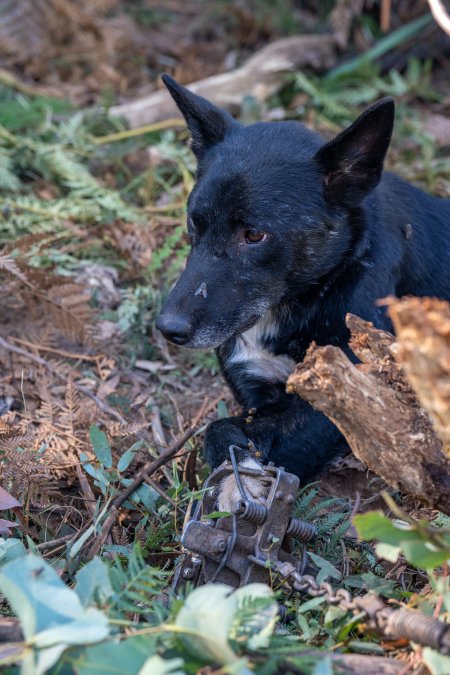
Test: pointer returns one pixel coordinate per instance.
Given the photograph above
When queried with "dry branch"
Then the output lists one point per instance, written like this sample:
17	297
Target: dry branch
422	326
145	472
374	407
261	76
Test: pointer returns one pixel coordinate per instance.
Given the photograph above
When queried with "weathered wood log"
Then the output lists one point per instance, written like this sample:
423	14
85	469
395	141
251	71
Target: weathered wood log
422	326
10	630
375	408
260	76
353	664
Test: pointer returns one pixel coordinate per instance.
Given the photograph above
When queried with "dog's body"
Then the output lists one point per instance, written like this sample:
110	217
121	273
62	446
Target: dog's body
288	235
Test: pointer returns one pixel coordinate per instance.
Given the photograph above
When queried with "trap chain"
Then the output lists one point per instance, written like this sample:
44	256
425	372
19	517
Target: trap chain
254	543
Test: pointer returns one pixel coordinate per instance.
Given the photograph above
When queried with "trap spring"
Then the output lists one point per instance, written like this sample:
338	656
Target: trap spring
253	545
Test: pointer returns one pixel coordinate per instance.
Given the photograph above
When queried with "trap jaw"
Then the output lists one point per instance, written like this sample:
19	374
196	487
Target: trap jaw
242	548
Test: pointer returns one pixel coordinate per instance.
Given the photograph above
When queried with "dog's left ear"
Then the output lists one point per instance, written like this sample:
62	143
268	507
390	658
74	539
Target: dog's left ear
352	163
207	123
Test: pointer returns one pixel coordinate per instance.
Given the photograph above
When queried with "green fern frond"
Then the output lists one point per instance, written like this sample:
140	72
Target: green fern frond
331	522
8	179
135	583
304	500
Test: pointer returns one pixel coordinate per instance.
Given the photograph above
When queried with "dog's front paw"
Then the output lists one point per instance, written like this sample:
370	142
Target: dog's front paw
229	497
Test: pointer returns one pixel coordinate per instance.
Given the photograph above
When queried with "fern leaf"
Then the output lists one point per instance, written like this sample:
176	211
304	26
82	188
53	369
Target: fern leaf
136	584
9	264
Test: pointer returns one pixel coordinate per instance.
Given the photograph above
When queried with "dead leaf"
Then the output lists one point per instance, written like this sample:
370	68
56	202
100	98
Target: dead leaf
7	501
5	526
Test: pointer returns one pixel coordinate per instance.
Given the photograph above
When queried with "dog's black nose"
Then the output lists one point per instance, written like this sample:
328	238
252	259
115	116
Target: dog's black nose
174	328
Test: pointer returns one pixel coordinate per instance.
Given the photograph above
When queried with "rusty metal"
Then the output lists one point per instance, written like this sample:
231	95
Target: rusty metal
388	621
225	545
253	545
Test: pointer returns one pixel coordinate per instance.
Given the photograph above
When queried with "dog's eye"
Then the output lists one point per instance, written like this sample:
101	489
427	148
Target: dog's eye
254	237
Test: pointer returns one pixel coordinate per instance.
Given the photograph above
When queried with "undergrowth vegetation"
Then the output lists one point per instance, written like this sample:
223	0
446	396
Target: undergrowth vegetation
92	236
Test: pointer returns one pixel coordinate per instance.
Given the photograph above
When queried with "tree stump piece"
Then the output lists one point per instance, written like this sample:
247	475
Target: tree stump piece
375	408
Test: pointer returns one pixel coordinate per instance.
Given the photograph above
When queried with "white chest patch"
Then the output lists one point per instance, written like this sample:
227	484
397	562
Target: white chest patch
259	361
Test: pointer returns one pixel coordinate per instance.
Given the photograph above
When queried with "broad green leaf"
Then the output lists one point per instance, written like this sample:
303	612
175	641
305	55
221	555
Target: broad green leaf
259	628
378	585
99	473
423	554
207	616
51	614
101	447
304	626
128	456
332	614
398	536
77	545
155	665
46	658
437	663
42	601
91	626
327	570
324	667
37	595
208	613
310	604
11	549
116	658
375	525
93	583
148	496
388	551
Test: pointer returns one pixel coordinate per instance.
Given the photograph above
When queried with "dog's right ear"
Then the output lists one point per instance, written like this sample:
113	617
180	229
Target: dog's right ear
352	163
207	123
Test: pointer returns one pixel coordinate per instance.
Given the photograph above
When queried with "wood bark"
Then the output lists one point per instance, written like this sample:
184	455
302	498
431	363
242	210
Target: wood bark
422	326
352	664
10	630
373	405
260	76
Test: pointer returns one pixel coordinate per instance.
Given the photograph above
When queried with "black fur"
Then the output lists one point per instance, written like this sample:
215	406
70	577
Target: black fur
337	235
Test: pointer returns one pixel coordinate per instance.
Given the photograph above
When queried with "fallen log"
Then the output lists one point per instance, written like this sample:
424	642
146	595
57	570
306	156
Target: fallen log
422	326
261	76
374	406
355	664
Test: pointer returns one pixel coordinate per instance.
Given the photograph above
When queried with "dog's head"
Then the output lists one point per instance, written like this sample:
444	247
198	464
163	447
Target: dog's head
269	216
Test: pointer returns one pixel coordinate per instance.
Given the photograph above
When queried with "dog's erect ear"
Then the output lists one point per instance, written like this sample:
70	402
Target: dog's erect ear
352	163
207	123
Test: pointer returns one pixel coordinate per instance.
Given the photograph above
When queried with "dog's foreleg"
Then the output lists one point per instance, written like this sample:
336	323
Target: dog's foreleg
297	437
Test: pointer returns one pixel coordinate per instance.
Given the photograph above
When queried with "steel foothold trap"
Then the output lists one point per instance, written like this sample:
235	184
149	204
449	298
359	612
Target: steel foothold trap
243	547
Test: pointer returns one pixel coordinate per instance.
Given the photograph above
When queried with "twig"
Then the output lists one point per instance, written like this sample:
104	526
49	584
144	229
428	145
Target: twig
104	407
153	484
86	489
53	543
131	133
385	15
176	206
159	436
7	79
53	350
147	470
150	467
